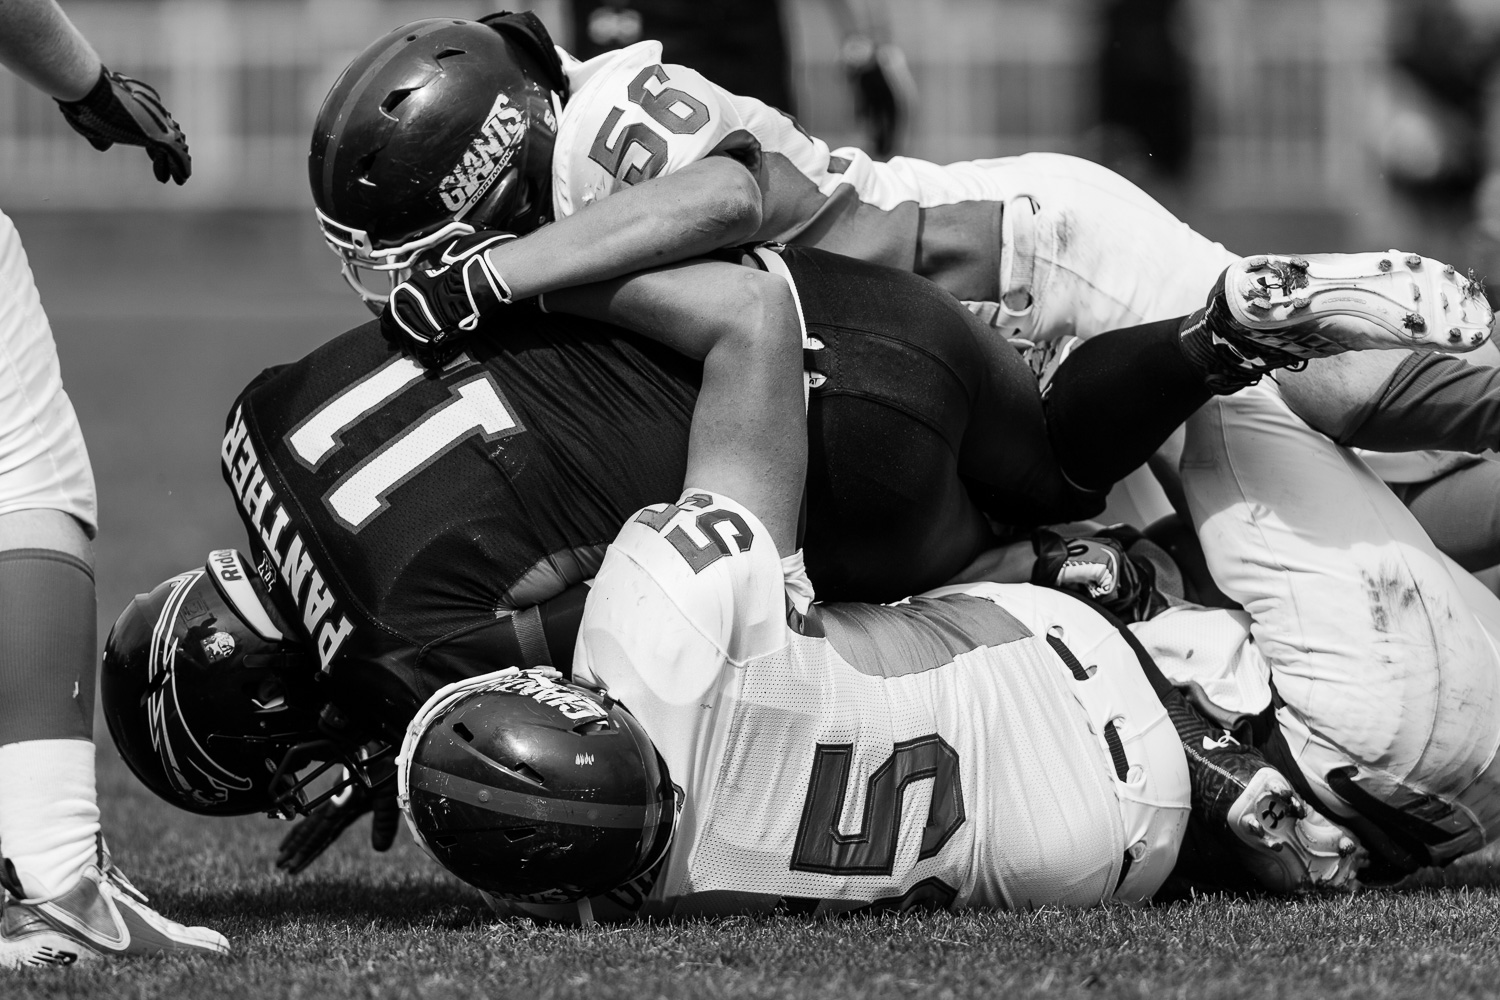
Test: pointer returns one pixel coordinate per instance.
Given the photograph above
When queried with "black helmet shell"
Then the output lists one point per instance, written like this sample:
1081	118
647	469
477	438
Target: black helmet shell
441	120
197	685
529	788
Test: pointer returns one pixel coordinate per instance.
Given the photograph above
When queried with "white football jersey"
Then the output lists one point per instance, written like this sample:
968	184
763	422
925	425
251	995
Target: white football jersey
941	752
630	118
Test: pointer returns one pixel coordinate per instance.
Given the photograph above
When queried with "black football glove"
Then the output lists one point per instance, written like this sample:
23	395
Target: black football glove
121	109
450	290
325	824
1099	567
883	89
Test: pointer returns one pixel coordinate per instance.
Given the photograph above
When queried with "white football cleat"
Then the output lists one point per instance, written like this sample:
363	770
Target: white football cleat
102	916
1320	304
1286	845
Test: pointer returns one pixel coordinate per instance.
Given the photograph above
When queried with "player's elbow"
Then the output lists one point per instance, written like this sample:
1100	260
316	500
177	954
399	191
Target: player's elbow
759	314
731	202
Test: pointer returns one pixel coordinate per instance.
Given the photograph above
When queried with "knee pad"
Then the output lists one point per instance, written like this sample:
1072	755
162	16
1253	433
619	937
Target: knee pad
48	658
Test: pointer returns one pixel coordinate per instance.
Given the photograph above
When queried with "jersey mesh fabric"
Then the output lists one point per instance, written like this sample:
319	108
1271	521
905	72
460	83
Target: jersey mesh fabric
1040	821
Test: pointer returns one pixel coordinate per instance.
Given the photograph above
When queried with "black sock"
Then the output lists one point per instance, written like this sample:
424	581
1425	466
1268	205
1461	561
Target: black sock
1116	398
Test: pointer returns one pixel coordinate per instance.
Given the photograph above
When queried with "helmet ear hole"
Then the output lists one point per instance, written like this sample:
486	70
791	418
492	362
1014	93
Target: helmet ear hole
268	693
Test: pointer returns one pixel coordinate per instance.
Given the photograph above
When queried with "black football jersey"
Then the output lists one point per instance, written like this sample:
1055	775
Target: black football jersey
399	512
401	515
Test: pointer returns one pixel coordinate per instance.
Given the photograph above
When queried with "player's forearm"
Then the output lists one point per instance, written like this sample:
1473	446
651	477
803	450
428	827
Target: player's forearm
706	205
749	432
40	44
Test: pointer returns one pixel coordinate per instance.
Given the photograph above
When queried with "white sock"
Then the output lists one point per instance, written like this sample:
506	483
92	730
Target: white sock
49	812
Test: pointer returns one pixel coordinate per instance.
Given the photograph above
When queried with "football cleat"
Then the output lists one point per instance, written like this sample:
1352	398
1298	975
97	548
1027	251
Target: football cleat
103	915
1321	304
1282	843
1288	846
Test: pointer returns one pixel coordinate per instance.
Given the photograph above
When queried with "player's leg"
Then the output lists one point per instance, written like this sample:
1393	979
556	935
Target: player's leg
1382	651
49	819
1460	511
1116	399
1088	251
1418	415
49	822
62	899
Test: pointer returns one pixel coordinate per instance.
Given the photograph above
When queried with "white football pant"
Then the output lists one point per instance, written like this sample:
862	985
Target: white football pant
43	461
1382	650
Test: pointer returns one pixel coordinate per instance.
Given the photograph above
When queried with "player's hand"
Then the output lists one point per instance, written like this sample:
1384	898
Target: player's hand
448	293
121	109
883	89
1099	567
315	833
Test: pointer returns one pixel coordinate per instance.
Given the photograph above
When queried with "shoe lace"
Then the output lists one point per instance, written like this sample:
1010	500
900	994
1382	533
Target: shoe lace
114	876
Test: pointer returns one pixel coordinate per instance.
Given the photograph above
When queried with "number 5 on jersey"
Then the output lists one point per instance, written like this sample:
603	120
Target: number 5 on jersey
712	523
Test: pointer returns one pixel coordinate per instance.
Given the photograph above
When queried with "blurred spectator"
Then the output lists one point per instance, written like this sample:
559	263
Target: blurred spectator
1438	139
1145	89
741	45
1442	56
738	44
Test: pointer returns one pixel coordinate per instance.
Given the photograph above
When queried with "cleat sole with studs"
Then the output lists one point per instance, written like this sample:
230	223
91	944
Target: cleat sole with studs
1320	304
1284	844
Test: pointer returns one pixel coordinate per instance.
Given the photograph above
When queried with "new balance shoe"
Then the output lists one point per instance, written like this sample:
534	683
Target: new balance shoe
1285	845
102	915
1274	311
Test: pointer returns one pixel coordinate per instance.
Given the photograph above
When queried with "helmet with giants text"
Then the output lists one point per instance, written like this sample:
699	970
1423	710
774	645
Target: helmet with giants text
440	128
202	689
532	789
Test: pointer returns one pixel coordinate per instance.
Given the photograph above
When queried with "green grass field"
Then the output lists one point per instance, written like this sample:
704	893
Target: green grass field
159	321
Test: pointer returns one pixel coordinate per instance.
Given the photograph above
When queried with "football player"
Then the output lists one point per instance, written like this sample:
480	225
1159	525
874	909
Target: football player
727	746
406	520
442	127
62	898
732	747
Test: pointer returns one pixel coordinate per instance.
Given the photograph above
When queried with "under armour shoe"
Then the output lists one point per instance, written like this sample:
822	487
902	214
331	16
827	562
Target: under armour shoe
1271	311
1280	841
103	915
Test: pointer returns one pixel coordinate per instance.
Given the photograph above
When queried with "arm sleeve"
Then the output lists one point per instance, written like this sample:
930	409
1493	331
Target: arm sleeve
637	119
686	590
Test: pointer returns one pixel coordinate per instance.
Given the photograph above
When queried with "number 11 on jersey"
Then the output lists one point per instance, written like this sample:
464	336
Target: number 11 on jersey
474	406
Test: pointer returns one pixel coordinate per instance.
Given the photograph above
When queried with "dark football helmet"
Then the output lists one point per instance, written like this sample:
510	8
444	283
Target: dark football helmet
199	683
533	789
440	128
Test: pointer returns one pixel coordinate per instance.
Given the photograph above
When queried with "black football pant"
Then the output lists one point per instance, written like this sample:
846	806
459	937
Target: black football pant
928	421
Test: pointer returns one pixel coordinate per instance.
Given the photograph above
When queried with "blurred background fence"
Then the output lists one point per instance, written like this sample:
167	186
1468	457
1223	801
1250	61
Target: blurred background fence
1282	105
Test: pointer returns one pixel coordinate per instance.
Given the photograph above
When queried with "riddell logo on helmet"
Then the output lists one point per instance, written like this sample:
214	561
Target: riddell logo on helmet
485	160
